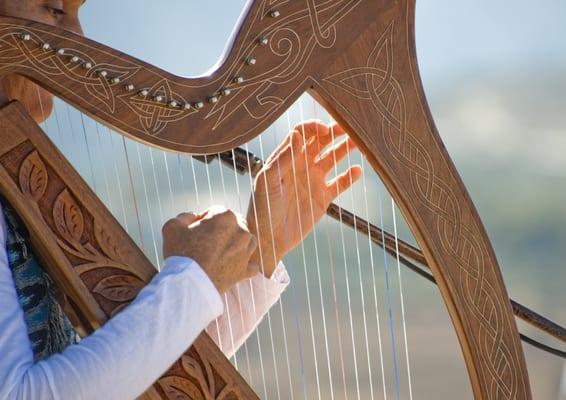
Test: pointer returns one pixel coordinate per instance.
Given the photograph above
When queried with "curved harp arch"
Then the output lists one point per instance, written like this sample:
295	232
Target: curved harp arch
365	75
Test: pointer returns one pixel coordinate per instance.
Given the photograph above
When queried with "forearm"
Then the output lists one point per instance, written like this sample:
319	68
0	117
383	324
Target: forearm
124	357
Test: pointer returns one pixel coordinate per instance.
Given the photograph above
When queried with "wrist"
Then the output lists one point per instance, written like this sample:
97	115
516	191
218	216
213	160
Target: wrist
266	259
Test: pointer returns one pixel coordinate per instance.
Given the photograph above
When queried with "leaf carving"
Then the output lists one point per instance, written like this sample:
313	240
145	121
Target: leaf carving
33	176
195	370
176	387
119	288
106	242
69	219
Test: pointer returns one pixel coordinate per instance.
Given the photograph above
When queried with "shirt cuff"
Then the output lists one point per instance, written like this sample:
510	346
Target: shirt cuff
204	285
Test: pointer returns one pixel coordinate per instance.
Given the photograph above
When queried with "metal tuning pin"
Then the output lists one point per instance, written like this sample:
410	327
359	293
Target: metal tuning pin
102	74
198	105
225	92
158	98
115	80
144	92
173	104
264	40
213	99
250	61
87	65
239	79
26	37
61	52
75	59
274	14
46	46
187	106
129	87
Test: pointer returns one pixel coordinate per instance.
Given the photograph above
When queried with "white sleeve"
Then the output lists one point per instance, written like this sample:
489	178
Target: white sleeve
121	359
245	305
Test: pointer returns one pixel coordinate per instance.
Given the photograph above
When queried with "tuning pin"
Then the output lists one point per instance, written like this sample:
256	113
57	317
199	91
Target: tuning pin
250	61
75	59
274	14
263	41
213	99
225	92
173	104
187	106
115	80
198	105
87	65
129	87
25	37
144	92
158	98
46	46
239	79
102	74
61	52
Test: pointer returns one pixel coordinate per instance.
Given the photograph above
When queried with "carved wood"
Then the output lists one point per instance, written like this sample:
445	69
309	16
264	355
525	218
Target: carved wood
357	57
90	256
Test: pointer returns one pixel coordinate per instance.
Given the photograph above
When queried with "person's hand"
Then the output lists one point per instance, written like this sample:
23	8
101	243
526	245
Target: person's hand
291	192
218	240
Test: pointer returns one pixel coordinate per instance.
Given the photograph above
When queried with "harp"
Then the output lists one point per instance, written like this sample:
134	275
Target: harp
355	57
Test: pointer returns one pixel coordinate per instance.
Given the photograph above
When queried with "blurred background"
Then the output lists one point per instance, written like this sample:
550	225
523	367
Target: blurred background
495	77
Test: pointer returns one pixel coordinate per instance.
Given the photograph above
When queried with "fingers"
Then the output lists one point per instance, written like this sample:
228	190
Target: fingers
287	155
331	157
344	181
280	148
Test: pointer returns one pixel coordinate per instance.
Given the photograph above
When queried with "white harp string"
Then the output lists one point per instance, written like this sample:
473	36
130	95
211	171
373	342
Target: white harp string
347	282
290	360
373	279
401	297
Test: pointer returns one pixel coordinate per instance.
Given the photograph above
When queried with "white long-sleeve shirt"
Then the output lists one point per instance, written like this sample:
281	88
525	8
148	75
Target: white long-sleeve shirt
133	349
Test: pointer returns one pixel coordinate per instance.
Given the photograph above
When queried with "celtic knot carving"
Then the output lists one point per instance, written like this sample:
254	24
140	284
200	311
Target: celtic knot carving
376	84
30	54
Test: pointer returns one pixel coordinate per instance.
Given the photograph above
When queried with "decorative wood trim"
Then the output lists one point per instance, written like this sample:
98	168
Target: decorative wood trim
90	256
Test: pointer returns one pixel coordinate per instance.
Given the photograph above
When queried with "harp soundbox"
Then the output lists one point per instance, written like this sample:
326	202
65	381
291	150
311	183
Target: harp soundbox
355	57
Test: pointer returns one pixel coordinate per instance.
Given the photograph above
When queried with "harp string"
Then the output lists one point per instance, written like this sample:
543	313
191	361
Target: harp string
317	259
316	113
389	303
228	311
304	258
262	271
119	187
293	301
216	325
401	298
374	286
239	196
279	302
361	285
156	172
347	285
147	204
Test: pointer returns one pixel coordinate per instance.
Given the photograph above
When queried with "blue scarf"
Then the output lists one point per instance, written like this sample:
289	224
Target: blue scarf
49	329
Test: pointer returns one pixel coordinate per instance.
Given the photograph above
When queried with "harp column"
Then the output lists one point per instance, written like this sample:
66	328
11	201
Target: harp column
375	90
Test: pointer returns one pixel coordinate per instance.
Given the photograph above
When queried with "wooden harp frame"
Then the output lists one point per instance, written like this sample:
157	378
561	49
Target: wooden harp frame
358	59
